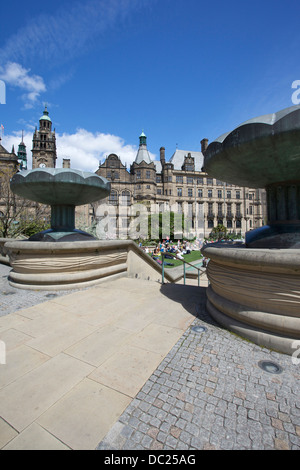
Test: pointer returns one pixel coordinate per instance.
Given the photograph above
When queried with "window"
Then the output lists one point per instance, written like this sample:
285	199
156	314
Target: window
148	174
209	193
219	193
199	180
200	193
189	180
189	167
179	192
228	194
179	179
238	210
190	192
200	208
220	209
210	208
238	194
138	174
210	181
148	186
210	223
158	178
113	198
229	223
125	198
158	191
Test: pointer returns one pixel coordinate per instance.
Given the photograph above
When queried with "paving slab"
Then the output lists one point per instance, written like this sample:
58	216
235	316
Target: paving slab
161	384
75	362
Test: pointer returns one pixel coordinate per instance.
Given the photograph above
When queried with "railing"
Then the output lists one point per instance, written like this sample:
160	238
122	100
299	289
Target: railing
200	273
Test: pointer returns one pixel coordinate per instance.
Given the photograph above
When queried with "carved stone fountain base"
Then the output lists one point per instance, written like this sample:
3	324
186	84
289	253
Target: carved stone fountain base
255	293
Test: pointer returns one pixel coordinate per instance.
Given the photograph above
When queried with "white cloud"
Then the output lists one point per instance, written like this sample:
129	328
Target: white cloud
15	75
84	149
68	32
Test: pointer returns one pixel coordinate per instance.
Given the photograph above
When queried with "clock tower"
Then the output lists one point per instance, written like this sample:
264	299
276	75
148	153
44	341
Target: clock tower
44	144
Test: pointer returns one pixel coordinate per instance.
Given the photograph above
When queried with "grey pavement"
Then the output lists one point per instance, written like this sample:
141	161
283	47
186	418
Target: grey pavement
208	392
211	393
13	299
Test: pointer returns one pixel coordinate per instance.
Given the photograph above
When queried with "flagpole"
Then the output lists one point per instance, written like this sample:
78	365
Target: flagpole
2	131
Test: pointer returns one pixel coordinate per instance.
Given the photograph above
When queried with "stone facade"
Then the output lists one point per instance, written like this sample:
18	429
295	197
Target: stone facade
181	186
44	144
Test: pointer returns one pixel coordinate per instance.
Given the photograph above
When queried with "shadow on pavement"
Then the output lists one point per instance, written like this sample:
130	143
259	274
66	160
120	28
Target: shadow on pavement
192	298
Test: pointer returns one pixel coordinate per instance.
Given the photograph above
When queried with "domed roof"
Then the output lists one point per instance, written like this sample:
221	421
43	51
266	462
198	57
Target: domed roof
45	116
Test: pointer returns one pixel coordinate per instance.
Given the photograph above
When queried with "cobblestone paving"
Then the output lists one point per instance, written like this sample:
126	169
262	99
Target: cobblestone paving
210	393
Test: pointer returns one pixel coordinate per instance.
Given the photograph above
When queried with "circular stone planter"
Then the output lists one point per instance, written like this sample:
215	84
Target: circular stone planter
255	293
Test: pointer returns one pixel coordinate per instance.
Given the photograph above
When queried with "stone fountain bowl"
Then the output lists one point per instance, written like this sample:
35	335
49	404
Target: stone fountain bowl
54	186
259	152
264	152
63	189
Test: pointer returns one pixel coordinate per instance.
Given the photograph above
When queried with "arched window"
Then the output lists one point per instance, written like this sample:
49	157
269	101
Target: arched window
125	198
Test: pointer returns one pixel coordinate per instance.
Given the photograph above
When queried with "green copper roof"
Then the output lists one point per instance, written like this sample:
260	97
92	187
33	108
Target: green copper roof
143	139
45	116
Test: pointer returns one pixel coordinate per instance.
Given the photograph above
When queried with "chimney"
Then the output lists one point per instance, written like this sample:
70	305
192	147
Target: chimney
162	155
204	145
66	163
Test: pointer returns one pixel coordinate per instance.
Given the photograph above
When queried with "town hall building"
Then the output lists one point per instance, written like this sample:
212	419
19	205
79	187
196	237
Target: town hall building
176	185
180	185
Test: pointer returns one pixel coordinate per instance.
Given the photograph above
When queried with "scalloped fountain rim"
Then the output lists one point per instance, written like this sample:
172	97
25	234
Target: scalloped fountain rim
31	184
269	119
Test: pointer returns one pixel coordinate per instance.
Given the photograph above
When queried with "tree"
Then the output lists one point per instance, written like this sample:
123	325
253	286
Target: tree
218	232
18	215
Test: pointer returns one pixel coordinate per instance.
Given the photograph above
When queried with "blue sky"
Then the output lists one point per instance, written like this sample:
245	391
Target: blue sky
180	70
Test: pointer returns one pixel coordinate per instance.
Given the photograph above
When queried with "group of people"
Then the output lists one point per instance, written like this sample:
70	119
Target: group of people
179	249
167	247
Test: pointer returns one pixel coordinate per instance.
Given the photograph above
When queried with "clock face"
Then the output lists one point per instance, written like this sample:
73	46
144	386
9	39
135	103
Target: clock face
42	165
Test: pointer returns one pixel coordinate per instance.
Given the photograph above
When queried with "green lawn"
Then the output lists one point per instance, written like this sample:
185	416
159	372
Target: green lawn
193	256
